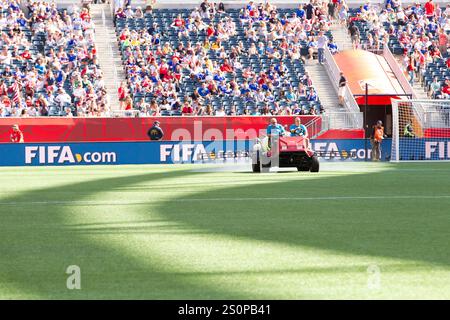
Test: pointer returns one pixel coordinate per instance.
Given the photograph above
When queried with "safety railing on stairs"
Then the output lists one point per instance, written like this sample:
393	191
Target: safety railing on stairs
124	113
349	100
314	127
399	74
342	120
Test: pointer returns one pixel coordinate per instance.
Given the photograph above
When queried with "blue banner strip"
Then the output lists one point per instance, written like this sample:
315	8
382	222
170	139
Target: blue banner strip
155	152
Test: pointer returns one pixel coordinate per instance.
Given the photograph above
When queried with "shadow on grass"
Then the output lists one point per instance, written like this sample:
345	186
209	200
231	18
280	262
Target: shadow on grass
414	229
37	246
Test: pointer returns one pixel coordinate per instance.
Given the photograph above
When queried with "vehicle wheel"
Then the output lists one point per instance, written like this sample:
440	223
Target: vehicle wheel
265	167
256	167
315	164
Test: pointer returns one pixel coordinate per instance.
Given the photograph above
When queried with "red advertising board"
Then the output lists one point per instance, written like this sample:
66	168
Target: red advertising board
135	129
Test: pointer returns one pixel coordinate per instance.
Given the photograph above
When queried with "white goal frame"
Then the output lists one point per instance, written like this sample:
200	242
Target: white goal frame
430	135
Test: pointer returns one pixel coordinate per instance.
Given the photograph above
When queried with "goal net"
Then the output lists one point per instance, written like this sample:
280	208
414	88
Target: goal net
420	130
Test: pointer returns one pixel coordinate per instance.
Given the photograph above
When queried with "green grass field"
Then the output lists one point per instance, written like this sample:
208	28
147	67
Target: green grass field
187	232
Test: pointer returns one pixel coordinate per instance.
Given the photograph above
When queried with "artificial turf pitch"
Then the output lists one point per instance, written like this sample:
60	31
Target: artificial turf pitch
364	231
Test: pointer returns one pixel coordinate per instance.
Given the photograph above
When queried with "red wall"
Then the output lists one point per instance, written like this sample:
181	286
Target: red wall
342	134
135	129
437	133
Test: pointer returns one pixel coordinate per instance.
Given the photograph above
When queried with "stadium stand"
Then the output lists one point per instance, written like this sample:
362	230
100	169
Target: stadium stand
205	58
418	33
213	60
48	63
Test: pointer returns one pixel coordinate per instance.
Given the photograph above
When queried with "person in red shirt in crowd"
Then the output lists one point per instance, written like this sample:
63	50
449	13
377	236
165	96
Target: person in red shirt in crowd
178	23
226	67
163	70
128	103
16	134
210	31
187	109
429	9
3	88
122	92
26	55
84	14
446	90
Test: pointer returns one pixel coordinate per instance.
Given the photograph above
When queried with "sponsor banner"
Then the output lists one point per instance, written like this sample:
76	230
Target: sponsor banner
58	130
351	149
424	149
165	152
29	154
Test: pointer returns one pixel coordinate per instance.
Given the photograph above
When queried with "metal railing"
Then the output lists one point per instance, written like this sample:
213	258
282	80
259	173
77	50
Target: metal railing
125	113
334	74
342	120
314	127
399	74
437	119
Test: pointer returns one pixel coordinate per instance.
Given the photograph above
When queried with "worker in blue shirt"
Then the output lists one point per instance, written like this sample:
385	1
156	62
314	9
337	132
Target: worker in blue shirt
275	128
298	129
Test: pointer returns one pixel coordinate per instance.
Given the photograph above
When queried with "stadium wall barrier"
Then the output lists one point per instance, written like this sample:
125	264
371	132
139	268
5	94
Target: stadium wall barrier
58	130
163	152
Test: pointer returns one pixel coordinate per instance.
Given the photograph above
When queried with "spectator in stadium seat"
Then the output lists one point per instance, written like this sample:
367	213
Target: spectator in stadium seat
333	47
435	88
187	109
63	98
311	96
128	103
445	92
220	112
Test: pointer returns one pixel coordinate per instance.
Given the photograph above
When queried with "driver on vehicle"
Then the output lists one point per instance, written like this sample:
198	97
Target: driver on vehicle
275	128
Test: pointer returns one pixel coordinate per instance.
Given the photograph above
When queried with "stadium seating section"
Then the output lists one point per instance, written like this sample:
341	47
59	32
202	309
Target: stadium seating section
258	63
49	69
400	35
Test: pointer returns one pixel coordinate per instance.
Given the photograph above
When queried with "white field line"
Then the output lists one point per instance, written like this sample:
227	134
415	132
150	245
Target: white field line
138	202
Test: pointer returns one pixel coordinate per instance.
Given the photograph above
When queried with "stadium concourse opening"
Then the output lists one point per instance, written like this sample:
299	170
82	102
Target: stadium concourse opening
373	84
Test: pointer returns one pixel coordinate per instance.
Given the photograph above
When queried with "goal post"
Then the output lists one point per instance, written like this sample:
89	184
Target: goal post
420	130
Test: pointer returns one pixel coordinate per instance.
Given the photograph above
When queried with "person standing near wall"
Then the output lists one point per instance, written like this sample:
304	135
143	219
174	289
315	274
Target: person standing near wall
16	135
155	133
376	138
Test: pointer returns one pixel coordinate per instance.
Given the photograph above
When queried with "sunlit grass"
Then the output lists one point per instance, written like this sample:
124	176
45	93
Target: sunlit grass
135	233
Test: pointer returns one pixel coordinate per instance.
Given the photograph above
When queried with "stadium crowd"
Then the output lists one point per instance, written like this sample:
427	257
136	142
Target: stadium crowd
419	32
211	60
211	54
48	63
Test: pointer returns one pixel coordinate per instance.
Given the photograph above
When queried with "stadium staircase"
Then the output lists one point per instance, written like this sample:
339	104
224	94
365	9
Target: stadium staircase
321	79
341	36
108	51
419	90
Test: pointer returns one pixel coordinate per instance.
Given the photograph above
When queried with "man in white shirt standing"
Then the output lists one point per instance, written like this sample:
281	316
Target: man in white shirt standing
322	42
